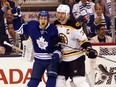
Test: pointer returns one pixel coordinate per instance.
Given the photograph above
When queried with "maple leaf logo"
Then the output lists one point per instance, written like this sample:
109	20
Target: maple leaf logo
42	43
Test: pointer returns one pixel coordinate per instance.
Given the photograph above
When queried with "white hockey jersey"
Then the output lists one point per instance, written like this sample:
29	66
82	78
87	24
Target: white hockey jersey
81	10
72	35
109	5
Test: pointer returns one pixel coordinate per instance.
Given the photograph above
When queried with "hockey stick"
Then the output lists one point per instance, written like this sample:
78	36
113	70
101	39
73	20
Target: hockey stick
26	54
79	49
100	56
22	3
104	70
8	44
62	44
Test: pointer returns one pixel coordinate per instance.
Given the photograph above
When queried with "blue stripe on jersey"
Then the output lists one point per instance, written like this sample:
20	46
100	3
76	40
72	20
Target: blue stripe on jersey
109	5
103	21
88	6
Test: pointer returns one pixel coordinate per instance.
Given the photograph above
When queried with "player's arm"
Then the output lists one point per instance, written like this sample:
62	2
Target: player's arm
19	26
57	48
85	44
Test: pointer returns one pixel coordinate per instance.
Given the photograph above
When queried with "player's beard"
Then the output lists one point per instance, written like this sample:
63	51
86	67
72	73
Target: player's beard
63	21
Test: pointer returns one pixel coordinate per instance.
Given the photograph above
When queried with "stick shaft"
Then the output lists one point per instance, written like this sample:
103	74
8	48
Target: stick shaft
106	58
22	3
8	44
69	46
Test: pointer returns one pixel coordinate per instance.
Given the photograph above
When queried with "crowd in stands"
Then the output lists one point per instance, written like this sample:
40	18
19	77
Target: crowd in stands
93	15
7	32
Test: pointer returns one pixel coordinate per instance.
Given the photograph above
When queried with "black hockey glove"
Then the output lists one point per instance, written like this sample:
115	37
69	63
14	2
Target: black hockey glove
91	53
55	40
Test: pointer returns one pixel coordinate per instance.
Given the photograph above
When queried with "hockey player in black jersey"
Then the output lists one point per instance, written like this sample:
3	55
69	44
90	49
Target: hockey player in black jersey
46	54
73	61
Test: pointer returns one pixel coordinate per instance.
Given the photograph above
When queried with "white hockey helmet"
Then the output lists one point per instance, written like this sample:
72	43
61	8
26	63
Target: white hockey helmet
63	8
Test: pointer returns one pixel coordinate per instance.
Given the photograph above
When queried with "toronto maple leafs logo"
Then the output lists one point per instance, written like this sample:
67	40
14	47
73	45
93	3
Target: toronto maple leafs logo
42	43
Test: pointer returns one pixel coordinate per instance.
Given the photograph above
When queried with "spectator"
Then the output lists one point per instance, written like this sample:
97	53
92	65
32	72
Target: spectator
9	2
9	15
11	31
92	4
5	16
100	18
3	36
9	19
83	8
14	38
4	6
6	50
70	4
109	6
106	7
83	12
2	50
101	35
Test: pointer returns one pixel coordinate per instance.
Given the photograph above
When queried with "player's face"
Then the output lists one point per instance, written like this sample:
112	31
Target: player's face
61	16
43	21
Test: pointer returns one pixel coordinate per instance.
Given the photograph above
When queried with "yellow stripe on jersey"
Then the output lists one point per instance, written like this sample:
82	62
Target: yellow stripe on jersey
29	39
72	54
82	41
69	51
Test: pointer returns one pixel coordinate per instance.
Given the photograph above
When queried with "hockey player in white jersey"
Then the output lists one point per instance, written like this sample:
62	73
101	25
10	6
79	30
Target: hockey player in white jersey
73	61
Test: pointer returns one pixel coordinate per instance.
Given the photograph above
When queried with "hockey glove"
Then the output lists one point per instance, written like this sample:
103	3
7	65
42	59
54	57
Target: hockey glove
55	40
16	12
91	53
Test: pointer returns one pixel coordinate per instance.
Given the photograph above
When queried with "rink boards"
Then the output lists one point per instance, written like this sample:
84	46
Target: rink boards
15	72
